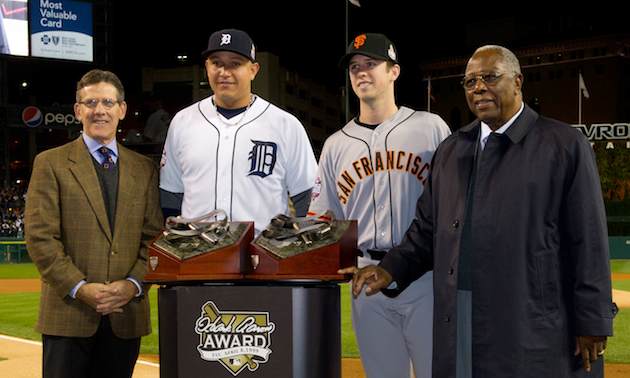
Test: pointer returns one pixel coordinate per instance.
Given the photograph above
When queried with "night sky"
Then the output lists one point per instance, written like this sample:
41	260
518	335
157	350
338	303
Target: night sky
308	37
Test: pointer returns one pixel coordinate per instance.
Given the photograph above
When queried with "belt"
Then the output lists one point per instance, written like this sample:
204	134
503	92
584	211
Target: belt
374	254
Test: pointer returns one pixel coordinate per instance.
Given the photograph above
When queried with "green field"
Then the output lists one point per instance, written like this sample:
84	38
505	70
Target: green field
18	271
620	266
622	285
18	313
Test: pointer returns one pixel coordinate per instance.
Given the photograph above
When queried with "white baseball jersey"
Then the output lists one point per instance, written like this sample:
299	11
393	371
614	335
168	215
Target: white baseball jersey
247	166
376	176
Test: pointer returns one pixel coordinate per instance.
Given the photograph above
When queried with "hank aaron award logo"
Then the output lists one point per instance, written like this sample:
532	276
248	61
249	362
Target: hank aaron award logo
235	339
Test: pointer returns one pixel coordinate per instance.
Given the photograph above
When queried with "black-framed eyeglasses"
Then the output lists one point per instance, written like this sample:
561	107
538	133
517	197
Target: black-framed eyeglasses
107	103
490	79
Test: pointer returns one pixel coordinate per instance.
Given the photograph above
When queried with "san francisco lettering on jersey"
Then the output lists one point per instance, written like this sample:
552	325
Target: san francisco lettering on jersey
390	160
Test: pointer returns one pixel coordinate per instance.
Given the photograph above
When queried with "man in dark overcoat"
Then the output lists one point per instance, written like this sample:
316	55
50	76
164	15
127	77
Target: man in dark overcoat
512	223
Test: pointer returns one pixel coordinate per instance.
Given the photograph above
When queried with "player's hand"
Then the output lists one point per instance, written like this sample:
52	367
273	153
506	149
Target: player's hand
591	348
372	277
115	296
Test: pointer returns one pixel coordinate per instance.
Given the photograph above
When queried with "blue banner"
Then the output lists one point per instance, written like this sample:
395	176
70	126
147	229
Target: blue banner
61	29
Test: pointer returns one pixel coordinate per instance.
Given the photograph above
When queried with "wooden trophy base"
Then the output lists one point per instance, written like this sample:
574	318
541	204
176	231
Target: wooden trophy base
226	263
315	264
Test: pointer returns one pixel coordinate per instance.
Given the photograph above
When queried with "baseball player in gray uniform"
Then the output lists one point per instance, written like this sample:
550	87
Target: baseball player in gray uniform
235	151
373	170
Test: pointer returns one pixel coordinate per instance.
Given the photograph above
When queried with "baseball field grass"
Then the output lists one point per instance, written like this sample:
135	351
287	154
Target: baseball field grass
620	266
17	271
18	313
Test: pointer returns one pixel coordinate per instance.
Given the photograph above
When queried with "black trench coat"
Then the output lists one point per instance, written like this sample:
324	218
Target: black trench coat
539	265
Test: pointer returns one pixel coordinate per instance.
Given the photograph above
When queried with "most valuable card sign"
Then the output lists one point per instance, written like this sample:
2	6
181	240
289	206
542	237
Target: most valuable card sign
61	29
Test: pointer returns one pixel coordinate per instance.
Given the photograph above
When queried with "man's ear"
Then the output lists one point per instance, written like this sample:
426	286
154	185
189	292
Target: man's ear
254	68
395	69
518	81
77	111
123	110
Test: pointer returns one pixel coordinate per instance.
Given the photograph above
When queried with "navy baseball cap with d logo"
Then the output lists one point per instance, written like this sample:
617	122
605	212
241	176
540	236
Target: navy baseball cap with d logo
374	45
234	40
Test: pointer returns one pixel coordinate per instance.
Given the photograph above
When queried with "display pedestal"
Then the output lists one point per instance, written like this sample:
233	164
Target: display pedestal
250	329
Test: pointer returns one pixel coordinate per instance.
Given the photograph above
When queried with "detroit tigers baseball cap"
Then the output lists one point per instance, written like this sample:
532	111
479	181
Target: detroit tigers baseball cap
234	40
374	45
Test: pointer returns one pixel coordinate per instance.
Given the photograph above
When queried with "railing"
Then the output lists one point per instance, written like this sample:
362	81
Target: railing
619	247
13	251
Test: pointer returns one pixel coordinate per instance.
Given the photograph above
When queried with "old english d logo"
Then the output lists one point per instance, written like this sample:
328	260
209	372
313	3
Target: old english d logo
263	158
235	339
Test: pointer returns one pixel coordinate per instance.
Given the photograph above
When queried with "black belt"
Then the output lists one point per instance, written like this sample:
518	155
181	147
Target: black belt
374	254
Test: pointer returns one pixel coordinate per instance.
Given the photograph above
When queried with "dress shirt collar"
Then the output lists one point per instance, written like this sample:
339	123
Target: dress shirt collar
93	146
486	130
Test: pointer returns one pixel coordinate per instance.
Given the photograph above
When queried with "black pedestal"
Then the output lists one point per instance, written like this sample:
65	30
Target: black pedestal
267	330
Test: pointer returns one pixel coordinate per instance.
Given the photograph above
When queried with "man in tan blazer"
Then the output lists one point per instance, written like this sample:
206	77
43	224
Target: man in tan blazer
92	207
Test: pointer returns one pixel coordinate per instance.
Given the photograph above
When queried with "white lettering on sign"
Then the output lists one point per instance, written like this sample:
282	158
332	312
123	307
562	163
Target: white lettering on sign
605	131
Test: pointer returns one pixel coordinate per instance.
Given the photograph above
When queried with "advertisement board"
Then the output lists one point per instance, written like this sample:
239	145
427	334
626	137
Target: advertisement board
14	27
61	29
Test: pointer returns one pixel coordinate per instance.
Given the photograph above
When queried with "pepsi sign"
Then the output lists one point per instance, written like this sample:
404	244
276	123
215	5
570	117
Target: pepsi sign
32	116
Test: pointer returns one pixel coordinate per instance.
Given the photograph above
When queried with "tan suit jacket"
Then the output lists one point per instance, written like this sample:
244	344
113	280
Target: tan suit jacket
68	236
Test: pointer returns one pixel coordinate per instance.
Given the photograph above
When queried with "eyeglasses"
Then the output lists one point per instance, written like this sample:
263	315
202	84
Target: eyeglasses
490	79
107	103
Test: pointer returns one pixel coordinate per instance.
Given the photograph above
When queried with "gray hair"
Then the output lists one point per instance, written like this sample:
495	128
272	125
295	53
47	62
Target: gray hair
508	57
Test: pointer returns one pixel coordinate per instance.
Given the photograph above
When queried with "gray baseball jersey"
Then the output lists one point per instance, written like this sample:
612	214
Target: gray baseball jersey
246	166
376	176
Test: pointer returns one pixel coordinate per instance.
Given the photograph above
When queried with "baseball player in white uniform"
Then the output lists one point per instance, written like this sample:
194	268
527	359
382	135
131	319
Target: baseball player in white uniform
234	150
373	170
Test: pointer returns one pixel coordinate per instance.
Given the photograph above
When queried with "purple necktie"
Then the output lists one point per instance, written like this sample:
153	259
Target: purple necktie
108	160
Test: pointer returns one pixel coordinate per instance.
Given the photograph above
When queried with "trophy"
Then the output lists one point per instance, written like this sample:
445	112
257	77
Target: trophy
202	248
304	248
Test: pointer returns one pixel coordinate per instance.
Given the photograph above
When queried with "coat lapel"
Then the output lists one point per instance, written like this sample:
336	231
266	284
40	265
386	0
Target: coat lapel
465	152
126	187
522	125
84	172
468	142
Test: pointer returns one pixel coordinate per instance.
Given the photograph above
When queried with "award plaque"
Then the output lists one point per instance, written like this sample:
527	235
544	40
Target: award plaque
202	248
304	248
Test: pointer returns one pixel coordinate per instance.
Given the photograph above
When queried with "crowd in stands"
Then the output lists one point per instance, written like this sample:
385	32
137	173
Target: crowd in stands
12	211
